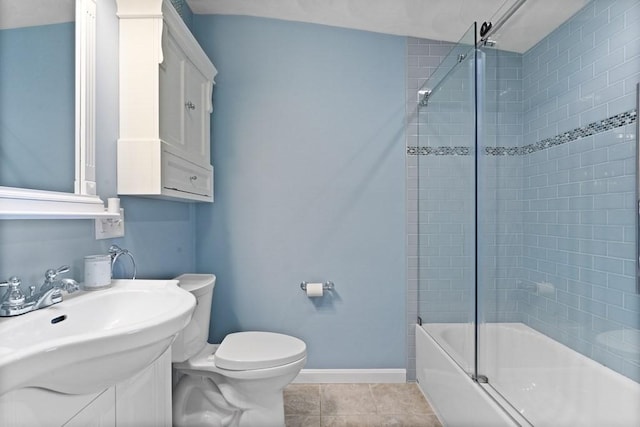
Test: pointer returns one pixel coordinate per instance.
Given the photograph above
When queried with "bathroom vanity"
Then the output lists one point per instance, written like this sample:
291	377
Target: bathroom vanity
97	358
166	84
144	399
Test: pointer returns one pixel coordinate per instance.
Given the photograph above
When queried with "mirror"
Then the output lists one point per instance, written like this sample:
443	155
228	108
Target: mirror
37	94
47	85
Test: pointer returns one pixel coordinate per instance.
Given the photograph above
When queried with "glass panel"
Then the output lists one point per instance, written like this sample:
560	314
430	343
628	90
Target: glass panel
557	229
446	180
501	177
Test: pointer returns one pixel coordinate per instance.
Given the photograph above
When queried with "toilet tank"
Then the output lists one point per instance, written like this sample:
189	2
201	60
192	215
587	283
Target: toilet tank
195	335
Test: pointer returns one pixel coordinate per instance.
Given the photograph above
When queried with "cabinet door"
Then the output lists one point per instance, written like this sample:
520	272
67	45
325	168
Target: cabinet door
39	407
145	399
197	116
99	413
172	94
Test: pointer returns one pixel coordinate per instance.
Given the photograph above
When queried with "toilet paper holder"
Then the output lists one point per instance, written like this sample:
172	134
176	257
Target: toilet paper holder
326	286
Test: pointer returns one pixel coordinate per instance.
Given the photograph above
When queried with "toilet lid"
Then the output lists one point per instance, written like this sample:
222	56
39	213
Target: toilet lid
258	350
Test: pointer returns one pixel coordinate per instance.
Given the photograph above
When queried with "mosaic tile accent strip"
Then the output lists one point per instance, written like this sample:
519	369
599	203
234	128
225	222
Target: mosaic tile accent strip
439	151
505	151
594	128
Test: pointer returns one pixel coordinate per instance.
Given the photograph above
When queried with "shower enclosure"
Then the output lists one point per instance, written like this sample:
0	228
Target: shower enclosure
527	226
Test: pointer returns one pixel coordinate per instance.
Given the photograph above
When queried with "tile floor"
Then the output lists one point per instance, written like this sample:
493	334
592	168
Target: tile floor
357	405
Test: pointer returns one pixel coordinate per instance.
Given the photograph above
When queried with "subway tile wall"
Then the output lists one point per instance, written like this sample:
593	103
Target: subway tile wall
446	188
585	71
579	245
500	225
423	57
556	223
578	198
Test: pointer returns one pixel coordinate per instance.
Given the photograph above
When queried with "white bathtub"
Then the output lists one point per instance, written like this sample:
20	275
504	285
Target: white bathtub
544	381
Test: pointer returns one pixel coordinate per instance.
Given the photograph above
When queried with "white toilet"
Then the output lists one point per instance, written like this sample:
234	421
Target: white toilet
236	383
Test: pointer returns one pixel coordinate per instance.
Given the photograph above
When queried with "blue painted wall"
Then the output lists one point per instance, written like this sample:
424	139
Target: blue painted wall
159	233
308	150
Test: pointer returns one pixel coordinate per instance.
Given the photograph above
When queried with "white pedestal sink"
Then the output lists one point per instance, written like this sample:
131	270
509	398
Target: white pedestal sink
92	340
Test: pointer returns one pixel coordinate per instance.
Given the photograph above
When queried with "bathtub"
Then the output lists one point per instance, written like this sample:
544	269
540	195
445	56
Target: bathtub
545	382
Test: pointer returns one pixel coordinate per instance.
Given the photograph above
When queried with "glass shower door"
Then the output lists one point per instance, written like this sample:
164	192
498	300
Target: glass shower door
557	241
446	211
527	224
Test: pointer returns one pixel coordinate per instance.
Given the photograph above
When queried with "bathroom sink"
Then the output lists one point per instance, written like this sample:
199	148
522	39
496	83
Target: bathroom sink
92	340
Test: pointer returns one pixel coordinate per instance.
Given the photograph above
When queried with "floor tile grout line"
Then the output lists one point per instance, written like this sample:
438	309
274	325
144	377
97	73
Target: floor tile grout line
375	405
320	401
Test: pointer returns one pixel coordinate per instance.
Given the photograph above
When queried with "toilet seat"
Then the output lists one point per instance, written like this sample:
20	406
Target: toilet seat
279	352
243	351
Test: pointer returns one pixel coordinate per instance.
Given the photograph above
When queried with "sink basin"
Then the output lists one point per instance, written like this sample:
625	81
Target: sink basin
92	340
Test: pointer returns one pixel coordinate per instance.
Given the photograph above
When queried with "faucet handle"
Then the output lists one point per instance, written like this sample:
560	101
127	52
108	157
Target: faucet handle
14	296
51	274
70	285
12	282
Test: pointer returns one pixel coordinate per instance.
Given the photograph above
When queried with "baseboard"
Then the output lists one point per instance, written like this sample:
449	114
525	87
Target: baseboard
351	376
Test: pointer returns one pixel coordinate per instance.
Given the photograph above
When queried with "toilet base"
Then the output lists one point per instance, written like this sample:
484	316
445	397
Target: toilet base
267	416
209	398
198	402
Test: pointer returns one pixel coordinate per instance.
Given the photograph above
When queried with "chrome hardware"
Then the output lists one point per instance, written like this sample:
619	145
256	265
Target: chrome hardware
326	286
637	187
489	42
54	294
51	290
482	379
423	97
193	178
51	274
461	57
115	251
487	29
49	279
15	302
190	105
484	29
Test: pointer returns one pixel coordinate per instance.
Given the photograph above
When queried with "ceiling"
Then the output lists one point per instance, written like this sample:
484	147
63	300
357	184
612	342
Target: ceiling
433	19
28	13
444	20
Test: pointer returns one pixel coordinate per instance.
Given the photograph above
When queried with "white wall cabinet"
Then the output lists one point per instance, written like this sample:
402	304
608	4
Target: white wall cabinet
185	103
166	84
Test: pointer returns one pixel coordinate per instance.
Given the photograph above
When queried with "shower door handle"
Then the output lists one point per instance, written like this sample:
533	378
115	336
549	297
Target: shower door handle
638	188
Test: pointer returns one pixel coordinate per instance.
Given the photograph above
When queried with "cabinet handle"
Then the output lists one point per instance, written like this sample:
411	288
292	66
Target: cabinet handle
193	178
190	105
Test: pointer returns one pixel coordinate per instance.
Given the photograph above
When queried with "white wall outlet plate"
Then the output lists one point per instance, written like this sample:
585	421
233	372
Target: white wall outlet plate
110	228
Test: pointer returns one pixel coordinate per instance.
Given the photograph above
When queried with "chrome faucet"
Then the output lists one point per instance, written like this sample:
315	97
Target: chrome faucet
15	302
50	291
